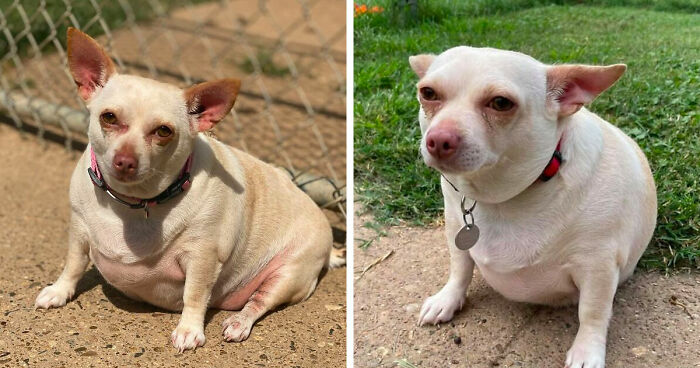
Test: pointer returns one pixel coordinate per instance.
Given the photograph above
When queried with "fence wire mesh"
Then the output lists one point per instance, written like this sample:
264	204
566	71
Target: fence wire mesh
289	54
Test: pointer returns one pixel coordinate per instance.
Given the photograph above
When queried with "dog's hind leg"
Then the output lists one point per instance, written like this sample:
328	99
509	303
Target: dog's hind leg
289	284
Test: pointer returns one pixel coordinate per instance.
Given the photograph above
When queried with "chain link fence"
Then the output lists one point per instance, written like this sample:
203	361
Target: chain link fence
289	54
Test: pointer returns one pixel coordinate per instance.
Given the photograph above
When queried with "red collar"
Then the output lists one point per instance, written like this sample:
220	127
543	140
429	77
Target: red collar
554	163
180	185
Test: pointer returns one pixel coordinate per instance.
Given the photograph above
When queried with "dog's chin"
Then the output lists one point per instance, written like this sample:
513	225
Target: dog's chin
450	166
128	181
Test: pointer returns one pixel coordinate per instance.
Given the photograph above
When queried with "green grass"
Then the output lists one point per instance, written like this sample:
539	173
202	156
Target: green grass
29	18
656	101
268	66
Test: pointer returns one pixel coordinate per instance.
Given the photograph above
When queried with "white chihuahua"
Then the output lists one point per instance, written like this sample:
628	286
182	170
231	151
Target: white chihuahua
552	203
175	218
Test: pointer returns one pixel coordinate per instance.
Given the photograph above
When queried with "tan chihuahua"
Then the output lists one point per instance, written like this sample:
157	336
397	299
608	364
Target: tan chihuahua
552	203
175	218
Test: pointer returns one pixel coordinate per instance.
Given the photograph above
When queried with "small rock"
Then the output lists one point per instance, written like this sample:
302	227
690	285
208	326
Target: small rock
333	307
457	340
639	351
411	308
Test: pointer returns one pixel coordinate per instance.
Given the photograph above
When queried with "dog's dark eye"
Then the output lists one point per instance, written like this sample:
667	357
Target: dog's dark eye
108	118
163	131
428	94
500	103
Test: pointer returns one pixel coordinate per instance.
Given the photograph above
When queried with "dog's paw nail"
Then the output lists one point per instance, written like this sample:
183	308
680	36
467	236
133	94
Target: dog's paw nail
588	355
440	307
237	328
187	338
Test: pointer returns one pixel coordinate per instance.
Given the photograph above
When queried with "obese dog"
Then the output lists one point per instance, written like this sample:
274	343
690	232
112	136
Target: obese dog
175	218
556	204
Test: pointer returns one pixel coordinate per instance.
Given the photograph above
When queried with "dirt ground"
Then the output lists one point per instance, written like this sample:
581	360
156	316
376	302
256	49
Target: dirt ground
101	327
647	328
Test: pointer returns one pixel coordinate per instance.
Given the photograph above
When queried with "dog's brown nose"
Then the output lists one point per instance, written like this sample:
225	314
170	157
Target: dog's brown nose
125	165
441	142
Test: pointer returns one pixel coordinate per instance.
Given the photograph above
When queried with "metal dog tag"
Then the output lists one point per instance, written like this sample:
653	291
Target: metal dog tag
467	236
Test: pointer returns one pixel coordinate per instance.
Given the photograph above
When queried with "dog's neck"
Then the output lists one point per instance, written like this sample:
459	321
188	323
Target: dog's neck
579	137
548	172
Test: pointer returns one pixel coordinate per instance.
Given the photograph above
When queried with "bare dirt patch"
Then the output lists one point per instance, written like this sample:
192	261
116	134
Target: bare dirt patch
648	329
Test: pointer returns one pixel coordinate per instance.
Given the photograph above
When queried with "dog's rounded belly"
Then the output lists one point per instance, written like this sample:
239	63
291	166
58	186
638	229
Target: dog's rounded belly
159	282
540	284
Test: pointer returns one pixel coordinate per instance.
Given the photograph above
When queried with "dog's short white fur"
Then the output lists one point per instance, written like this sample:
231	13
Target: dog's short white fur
242	238
572	239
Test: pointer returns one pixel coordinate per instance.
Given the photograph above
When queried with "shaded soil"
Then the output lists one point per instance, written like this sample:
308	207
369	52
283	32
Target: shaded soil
103	328
649	327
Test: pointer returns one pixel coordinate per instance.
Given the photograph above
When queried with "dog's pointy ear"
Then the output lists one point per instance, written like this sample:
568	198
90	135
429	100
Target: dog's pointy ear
421	63
571	86
211	101
88	63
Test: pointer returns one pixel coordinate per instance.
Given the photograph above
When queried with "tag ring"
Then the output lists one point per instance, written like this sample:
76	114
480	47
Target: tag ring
468	212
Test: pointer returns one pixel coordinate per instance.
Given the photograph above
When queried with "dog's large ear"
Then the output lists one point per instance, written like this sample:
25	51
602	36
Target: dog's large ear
88	63
421	63
572	86
211	101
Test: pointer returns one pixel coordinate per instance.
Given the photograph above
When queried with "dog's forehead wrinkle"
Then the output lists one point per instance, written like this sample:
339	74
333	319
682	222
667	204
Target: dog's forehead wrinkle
149	93
488	53
140	101
469	63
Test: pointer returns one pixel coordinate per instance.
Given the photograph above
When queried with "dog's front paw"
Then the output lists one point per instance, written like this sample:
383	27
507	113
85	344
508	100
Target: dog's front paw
53	296
441	307
187	337
586	355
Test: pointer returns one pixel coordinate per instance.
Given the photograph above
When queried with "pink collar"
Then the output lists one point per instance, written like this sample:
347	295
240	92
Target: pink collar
180	185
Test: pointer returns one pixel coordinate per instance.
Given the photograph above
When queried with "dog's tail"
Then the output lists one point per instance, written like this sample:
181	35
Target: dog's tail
336	258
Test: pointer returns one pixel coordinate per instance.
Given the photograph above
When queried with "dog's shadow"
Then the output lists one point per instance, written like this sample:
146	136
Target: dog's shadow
92	278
